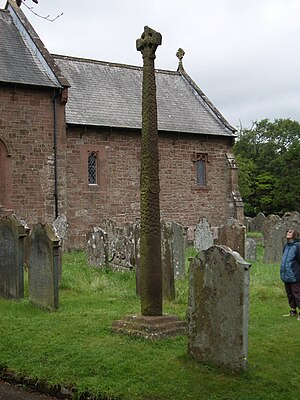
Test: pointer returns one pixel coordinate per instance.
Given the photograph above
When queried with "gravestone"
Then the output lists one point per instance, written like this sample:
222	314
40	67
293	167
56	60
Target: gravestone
274	241
250	249
60	225
203	235
233	235
274	232
110	245
269	224
121	248
218	308
173	245
256	223
247	223
12	234
179	244
291	220
168	283
97	248
43	274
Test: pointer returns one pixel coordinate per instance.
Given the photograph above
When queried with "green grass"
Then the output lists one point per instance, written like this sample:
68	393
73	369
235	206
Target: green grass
74	346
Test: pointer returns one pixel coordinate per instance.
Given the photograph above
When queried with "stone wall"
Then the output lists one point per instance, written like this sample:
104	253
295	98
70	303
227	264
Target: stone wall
117	194
27	157
26	131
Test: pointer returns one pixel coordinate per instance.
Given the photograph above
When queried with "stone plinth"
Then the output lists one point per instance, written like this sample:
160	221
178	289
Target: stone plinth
148	327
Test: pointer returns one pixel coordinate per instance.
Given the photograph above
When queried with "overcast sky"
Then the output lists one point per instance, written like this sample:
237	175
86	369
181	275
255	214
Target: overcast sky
244	54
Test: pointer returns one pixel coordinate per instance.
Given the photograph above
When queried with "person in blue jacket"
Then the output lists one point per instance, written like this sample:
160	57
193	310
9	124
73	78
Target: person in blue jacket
290	271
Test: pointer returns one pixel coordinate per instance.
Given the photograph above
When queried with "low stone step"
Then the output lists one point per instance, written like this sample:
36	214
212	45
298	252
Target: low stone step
149	327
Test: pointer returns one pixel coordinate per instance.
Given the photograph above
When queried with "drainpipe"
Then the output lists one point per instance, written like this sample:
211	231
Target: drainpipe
56	94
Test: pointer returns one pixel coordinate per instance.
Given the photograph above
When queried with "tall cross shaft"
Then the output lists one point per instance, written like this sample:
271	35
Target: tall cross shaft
150	258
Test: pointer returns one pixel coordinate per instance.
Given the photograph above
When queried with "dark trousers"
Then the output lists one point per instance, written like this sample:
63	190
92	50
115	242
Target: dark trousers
293	294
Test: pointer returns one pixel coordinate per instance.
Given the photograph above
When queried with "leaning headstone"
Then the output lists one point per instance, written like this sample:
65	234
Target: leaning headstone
203	235
12	234
233	235
218	308
250	249
43	274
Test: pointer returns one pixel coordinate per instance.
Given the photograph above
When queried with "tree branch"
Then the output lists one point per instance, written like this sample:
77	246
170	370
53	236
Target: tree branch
47	18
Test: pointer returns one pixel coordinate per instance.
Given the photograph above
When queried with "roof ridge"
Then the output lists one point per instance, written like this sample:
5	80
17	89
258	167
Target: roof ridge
109	63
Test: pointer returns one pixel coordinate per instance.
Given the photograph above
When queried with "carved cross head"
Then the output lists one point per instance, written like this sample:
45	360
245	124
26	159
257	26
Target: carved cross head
180	54
148	42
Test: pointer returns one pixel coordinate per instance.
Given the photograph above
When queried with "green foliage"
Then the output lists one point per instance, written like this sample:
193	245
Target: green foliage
75	347
268	156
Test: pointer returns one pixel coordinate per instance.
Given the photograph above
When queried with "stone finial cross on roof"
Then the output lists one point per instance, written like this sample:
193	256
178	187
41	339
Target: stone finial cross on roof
148	42
180	54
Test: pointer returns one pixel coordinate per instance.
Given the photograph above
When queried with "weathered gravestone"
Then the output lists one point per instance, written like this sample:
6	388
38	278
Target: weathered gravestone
179	244
256	223
97	248
250	249
218	308
12	234
274	232
110	245
168	283
203	235
44	267
233	235
60	225
247	223
173	245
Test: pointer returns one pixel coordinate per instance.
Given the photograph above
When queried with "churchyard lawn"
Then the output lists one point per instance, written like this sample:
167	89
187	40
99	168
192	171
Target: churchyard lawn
74	346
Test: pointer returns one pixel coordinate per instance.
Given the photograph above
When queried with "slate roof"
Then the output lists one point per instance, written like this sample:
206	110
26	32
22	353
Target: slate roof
108	94
21	60
103	93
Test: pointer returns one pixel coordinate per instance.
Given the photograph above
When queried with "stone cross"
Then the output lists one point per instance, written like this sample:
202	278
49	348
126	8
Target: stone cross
180	54
150	261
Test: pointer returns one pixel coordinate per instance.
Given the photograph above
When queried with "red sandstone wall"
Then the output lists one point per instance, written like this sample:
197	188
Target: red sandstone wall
117	195
26	128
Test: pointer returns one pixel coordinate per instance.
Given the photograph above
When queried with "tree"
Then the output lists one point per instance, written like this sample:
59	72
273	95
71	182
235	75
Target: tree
269	164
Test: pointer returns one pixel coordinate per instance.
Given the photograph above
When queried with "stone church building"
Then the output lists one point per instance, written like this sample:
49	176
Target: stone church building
70	131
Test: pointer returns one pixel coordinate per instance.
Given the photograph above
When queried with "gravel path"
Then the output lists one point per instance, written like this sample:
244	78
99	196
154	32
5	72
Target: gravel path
12	392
